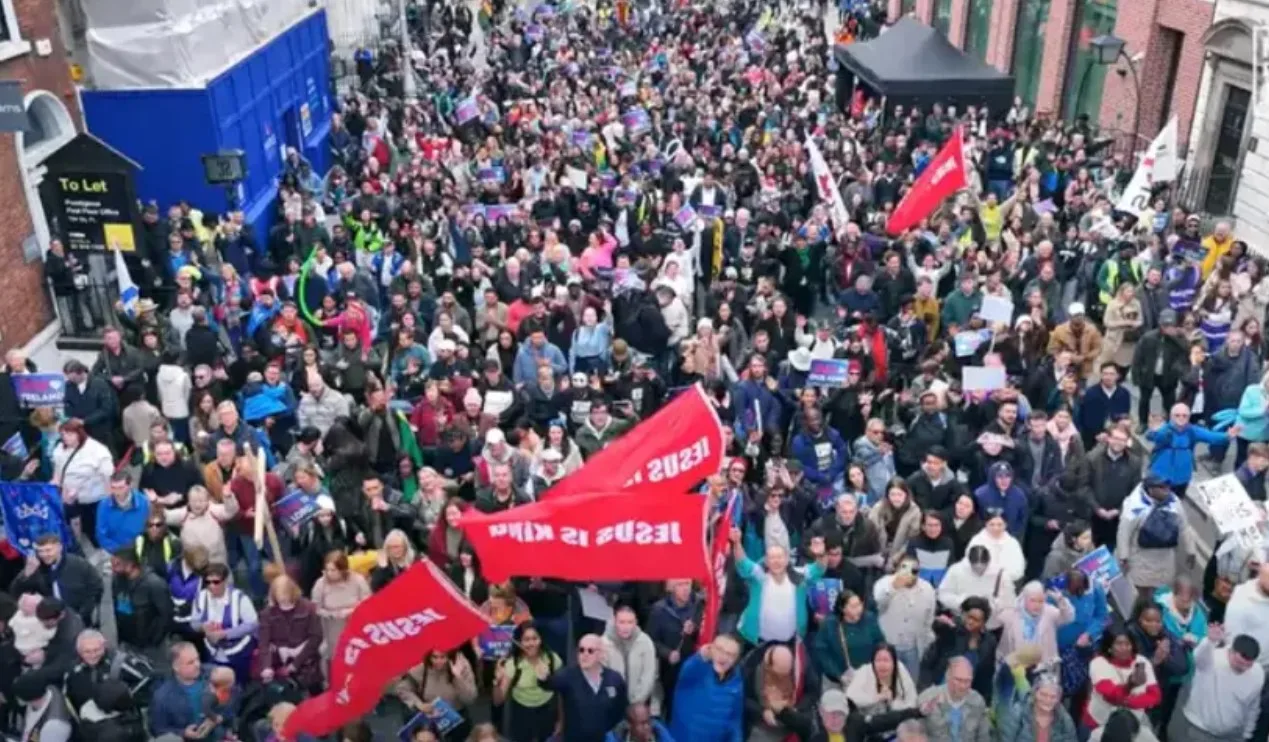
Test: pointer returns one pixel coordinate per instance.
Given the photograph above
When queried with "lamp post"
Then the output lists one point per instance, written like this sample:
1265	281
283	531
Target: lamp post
1108	49
409	85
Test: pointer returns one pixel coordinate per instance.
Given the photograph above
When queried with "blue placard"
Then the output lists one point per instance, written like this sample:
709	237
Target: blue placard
823	594
636	121
16	447
31	510
685	216
495	641
466	110
828	372
295	509
443	720
40	390
491	175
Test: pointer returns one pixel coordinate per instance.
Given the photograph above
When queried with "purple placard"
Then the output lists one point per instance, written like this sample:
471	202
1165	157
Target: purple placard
491	175
473	210
295	509
627	194
497	211
580	138
710	212
636	121
467	109
39	390
608	179
629	89
496	641
685	216
534	32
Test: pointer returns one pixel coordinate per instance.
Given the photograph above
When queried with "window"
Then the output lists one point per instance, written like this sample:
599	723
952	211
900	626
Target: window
907	7
1028	48
1087	77
978	30
943	16
11	43
49	126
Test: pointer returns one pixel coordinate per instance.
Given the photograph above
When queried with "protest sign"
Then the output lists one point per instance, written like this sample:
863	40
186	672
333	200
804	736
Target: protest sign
581	138
295	509
491	175
996	309
576	177
1234	514
636	121
496	641
685	217
673	450
966	343
828	372
1102	568
466	110
16	447
710	212
982	378
443	719
823	595
494	212
39	390
418	612
31	510
603	537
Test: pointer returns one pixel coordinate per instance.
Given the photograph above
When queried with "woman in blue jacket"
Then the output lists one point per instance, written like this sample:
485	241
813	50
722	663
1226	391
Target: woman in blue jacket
1078	639
1253	418
1174	442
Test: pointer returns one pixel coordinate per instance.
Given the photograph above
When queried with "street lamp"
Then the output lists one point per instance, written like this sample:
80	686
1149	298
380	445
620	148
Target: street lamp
1107	49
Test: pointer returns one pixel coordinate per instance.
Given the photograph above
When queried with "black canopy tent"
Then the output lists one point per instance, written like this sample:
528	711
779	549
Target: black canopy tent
913	64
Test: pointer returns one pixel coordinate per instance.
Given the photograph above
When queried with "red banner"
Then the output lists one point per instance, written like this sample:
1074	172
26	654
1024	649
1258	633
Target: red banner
942	178
417	613
601	537
718	565
674	449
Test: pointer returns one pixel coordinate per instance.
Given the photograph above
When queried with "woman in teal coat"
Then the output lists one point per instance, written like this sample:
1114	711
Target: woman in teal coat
845	640
1253	418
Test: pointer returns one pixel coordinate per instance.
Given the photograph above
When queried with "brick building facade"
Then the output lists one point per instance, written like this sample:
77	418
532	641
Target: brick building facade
32	51
1163	37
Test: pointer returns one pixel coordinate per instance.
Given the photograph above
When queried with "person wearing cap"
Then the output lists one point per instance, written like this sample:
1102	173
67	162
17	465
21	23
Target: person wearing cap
1158	362
1224	694
1078	336
1153	543
48	717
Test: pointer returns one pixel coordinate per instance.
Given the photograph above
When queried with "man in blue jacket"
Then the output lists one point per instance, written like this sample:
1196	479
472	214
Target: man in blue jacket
1172	457
755	402
177	706
1000	493
122	516
709	699
822	452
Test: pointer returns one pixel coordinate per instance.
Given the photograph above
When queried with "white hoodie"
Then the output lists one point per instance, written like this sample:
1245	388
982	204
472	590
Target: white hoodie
1248	613
960	582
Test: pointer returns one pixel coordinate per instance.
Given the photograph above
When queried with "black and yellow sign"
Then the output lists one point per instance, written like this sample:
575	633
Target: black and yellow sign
94	211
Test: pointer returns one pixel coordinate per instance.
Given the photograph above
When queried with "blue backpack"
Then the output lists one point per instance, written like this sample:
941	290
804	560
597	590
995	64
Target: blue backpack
1161	529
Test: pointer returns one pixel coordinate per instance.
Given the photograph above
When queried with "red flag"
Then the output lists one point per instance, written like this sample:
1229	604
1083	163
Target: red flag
601	537
672	450
718	567
417	613
942	177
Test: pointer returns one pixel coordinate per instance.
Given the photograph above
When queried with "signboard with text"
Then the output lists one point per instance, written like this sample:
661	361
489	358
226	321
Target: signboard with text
94	210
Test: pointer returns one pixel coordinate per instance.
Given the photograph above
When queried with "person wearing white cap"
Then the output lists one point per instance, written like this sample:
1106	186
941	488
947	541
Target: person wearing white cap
548	470
497	452
834	711
1078	336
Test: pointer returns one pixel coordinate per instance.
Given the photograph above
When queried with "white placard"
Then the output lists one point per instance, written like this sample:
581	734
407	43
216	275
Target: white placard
576	177
982	378
498	402
996	309
595	605
1231	510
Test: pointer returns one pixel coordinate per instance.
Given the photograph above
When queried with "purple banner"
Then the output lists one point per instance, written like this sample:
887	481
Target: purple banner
39	390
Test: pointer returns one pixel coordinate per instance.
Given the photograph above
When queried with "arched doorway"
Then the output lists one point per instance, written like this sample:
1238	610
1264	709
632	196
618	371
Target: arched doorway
50	127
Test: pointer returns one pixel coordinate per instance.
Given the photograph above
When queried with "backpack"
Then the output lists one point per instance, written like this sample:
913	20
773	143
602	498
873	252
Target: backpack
1160	529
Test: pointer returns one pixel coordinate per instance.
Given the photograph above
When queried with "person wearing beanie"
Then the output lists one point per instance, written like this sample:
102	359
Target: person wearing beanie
48	717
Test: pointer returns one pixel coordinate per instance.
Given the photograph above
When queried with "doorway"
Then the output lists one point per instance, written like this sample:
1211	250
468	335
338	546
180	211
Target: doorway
1228	151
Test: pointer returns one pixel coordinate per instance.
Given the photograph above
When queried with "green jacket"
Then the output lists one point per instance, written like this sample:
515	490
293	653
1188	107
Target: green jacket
756	578
959	308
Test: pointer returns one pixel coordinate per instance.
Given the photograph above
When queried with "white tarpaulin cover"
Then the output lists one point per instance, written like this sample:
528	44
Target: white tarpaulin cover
178	43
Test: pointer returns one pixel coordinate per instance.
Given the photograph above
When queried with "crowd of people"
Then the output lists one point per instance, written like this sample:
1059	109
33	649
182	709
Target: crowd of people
608	204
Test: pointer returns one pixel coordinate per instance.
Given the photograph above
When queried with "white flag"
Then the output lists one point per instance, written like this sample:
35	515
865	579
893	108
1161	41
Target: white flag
128	294
827	186
1160	164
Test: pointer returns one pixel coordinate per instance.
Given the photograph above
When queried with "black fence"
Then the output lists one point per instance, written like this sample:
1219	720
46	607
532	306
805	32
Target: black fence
89	309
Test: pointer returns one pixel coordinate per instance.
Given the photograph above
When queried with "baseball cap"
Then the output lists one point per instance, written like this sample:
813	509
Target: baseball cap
326	503
495	435
1075	308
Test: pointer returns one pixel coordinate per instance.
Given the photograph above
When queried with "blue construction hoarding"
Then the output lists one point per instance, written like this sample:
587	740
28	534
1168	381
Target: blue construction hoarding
276	97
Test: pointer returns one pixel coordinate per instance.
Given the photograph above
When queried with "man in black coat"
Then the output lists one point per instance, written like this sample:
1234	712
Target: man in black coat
90	398
1158	362
54	572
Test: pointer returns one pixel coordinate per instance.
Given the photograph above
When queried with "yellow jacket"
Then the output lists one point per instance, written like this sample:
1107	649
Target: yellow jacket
1216	250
